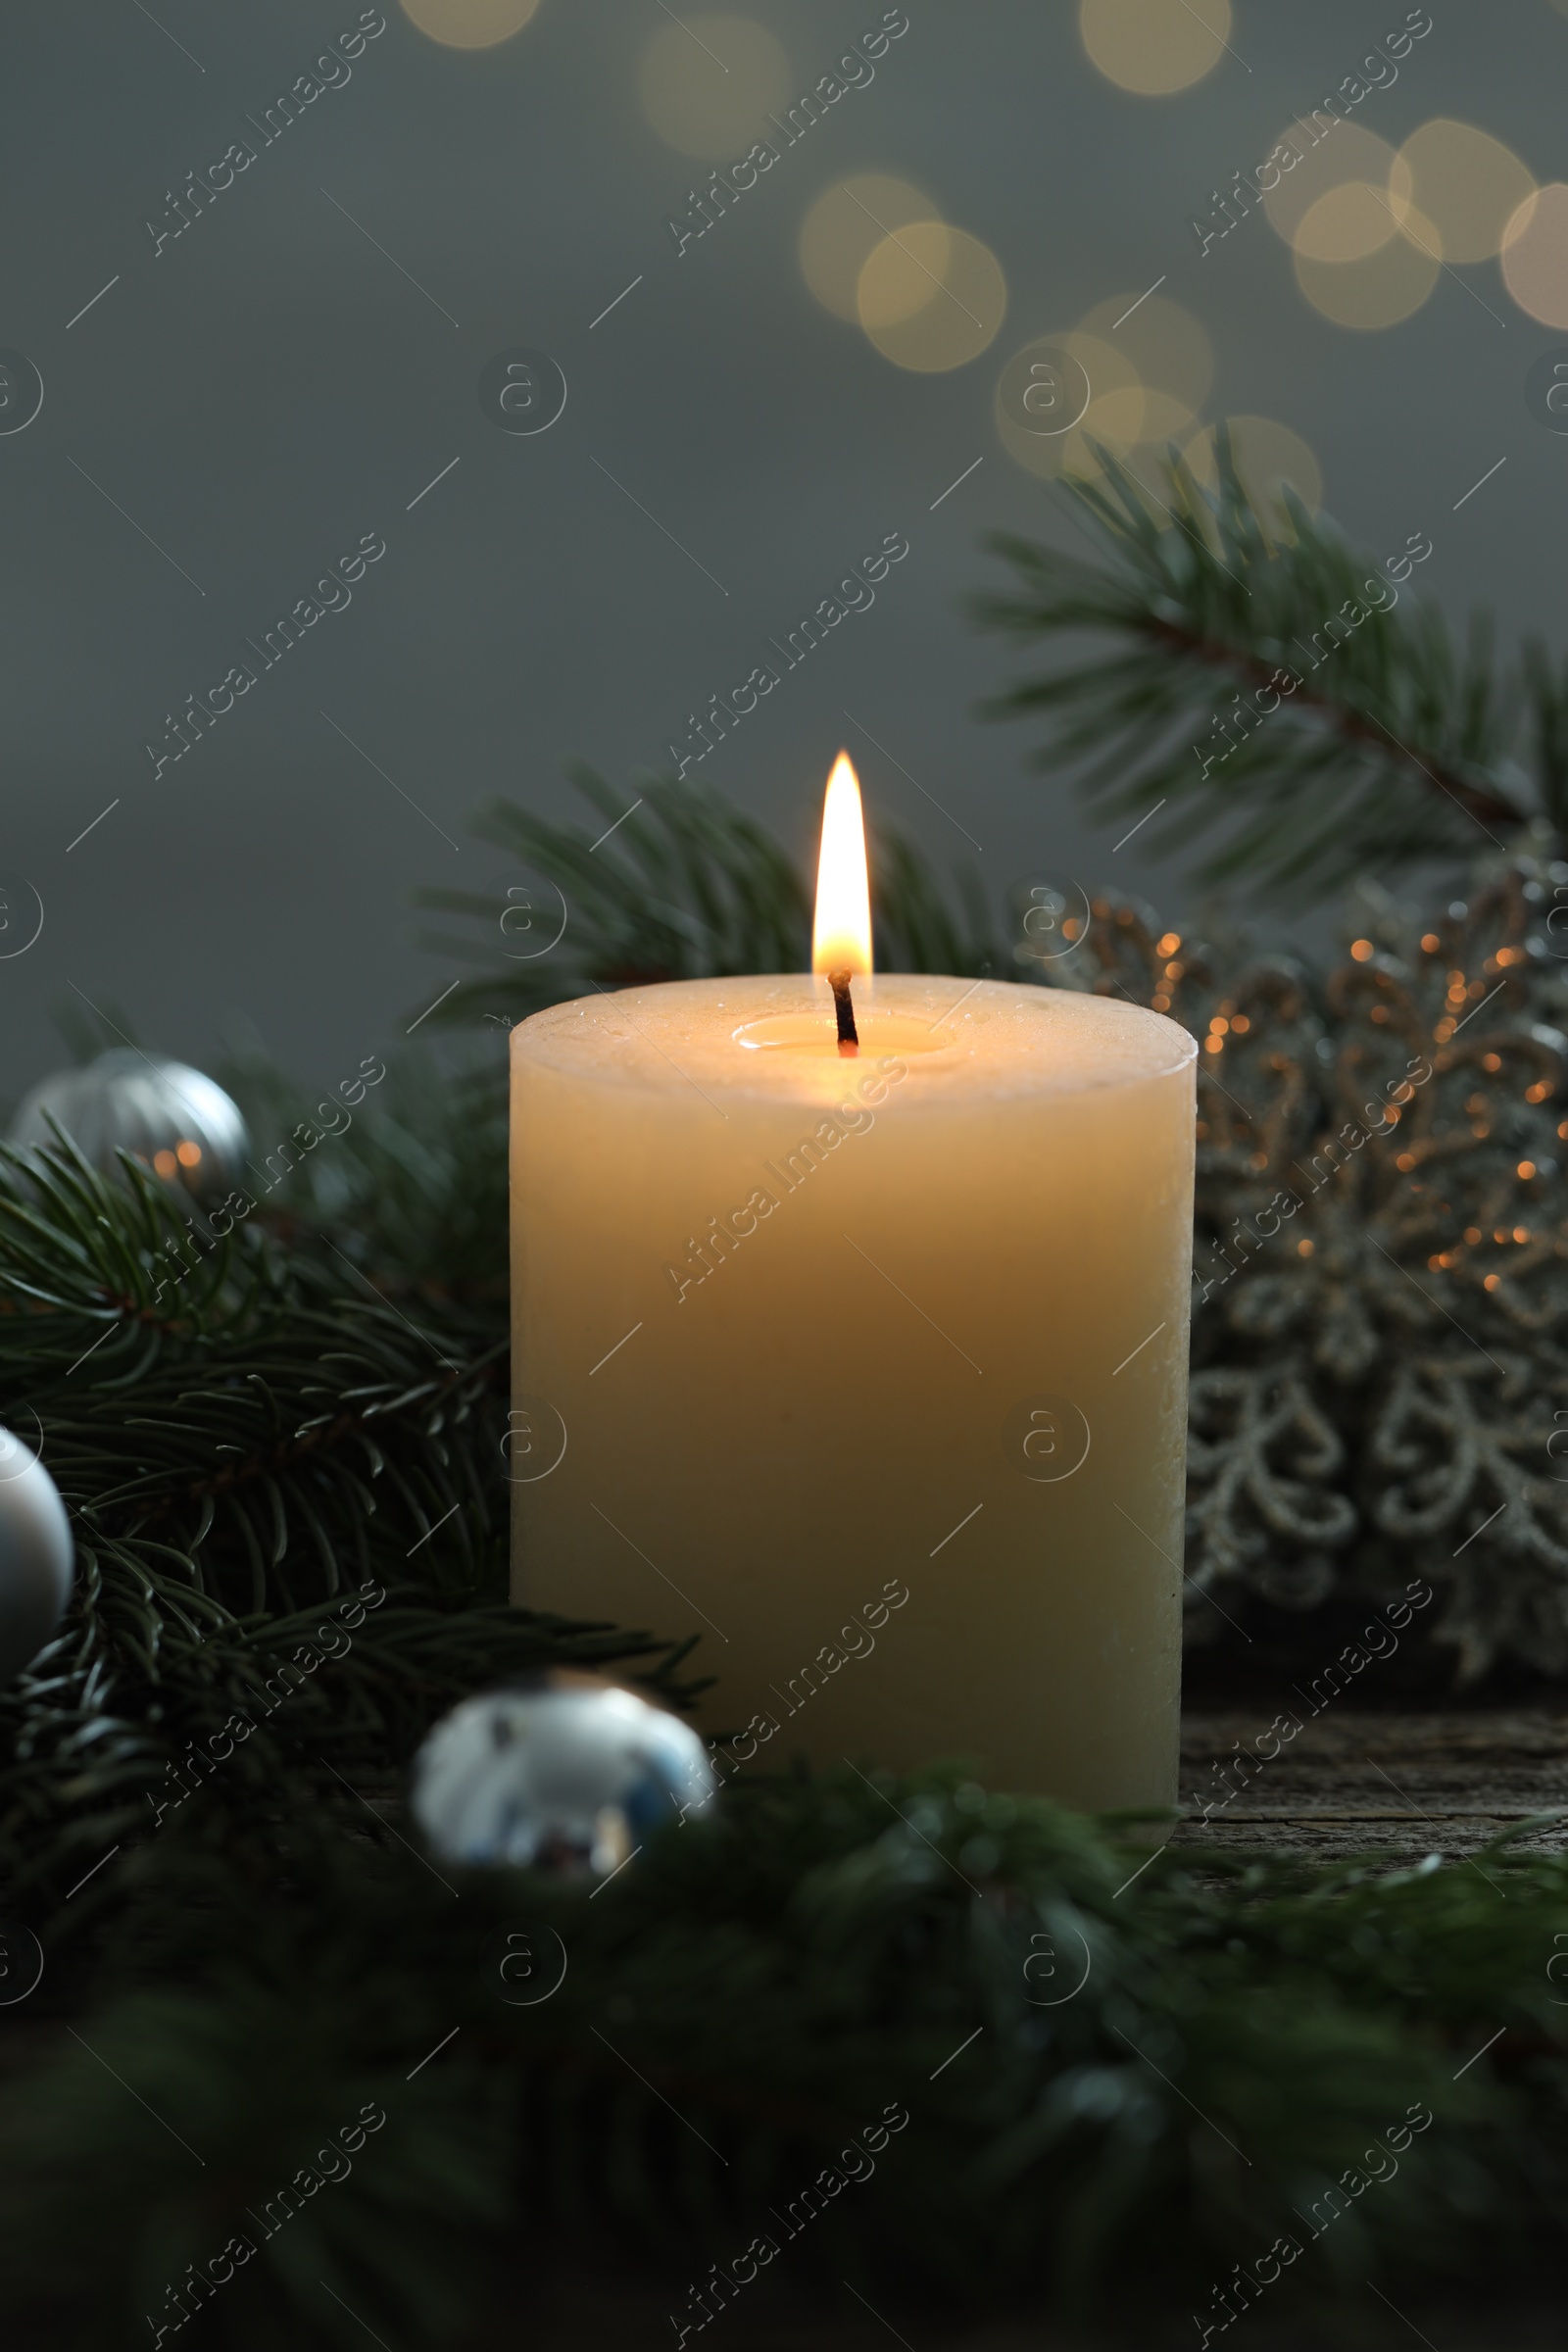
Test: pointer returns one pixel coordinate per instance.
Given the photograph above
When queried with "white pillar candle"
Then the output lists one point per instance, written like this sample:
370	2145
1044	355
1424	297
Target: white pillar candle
870	1371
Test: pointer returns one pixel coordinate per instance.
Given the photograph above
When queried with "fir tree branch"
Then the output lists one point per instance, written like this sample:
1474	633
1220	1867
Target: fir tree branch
685	888
777	1977
1366	736
313	1411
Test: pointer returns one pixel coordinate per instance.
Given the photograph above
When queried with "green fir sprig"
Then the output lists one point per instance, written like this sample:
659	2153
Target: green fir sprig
675	883
1269	685
286	1470
1108	2078
283	1449
246	1429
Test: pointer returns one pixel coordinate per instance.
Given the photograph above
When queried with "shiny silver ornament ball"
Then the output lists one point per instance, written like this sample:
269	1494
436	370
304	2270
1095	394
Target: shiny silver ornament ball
179	1124
37	1558
571	1774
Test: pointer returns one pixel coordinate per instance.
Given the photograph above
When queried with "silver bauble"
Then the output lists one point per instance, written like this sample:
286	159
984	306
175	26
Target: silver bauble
569	1774
37	1557
182	1125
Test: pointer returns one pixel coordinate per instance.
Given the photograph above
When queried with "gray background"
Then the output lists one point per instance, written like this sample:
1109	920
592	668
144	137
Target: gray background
269	387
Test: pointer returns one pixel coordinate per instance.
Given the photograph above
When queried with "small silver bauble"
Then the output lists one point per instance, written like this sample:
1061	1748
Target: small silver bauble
180	1124
37	1558
570	1773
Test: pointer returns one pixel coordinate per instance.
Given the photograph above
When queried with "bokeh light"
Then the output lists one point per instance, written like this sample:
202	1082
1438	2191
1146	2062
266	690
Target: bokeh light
1043	394
1268	454
846	224
1155	47
1535	255
1347	224
1166	346
1060	393
469	24
1164	417
1468	185
708	84
931	297
912	265
1383	286
1351	153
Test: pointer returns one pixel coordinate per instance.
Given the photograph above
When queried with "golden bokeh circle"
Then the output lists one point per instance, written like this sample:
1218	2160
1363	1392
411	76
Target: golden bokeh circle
1535	255
708	84
1164	417
931	297
1115	412
1352	153
1102	402
1379	288
1346	223
1468	184
1268	454
1164	344
469	24
1116	420
1153	48
1043	394
845	225
912	265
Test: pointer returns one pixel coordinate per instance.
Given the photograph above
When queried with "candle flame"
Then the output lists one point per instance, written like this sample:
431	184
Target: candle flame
841	937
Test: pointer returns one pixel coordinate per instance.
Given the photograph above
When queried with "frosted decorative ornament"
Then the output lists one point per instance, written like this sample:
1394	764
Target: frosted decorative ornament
569	1774
37	1558
178	1124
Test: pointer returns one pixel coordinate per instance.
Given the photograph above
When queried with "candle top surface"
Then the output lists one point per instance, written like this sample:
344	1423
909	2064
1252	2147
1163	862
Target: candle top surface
774	1037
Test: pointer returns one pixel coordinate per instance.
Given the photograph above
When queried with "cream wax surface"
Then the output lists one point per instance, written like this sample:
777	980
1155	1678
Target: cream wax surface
870	1371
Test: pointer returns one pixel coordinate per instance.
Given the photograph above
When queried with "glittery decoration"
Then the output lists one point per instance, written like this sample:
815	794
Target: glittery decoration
1380	1374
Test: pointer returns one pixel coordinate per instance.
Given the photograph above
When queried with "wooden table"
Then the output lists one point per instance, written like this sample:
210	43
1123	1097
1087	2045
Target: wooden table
1352	1782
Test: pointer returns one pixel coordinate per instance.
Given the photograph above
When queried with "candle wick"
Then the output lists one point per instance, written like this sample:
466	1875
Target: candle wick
844	1008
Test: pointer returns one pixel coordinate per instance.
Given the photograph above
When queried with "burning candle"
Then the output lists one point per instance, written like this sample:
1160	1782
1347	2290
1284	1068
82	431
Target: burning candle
850	1333
841	929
